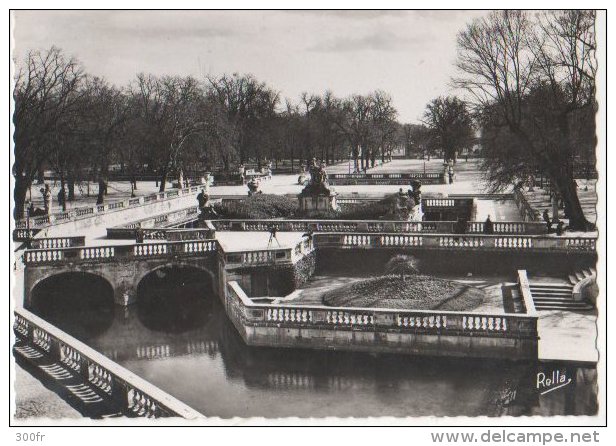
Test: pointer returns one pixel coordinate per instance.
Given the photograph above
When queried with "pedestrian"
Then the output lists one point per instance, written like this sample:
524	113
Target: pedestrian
273	229
46	192
548	222
559	227
450	172
62	199
140	235
488	226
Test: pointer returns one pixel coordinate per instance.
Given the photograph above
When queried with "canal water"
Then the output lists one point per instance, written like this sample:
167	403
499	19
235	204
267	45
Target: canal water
178	337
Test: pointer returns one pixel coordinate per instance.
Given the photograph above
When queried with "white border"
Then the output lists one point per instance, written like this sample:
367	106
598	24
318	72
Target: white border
310	436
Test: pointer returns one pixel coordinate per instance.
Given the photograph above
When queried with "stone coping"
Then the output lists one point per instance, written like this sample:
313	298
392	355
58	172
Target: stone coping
173	405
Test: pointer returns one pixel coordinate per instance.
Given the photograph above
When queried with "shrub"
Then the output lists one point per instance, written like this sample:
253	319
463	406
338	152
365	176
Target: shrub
402	265
369	211
259	206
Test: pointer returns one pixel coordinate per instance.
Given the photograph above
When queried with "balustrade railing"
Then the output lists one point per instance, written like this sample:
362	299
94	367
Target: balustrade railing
152	225
133	395
385	178
85	212
22	235
319	240
527	212
371	319
57	242
112	253
455	241
442	227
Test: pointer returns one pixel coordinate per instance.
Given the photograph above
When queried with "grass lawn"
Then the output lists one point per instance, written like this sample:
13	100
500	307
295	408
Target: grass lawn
415	292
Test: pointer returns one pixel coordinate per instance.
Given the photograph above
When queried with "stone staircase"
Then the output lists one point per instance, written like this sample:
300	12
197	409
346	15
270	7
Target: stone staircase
559	295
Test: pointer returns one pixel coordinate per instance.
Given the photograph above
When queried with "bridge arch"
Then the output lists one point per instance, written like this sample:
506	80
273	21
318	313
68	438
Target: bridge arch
175	296
79	302
176	265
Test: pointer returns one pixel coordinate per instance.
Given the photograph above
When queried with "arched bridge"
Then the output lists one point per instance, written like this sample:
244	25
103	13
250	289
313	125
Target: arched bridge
122	266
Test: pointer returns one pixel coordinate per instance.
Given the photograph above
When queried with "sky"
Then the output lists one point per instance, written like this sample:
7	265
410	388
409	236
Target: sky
409	54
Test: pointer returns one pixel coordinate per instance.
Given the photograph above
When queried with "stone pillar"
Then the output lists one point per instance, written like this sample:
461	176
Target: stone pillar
124	293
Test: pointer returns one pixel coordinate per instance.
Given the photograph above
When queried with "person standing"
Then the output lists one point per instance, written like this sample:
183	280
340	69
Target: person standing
488	226
62	199
46	192
548	222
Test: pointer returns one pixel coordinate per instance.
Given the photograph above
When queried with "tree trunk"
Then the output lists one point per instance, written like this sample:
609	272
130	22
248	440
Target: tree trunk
577	220
71	188
19	194
102	186
163	180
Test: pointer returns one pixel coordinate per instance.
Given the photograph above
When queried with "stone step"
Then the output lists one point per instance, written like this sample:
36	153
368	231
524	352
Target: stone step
553	299
536	294
567	289
560	286
563	307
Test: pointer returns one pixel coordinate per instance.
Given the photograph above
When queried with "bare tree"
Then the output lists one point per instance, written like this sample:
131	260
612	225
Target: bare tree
384	124
527	77
249	104
450	125
167	109
47	89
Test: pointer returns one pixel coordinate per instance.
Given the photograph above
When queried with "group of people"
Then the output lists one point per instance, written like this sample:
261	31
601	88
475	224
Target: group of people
47	202
560	226
461	226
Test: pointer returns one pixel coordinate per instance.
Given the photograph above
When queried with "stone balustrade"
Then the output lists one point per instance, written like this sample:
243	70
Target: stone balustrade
133	395
87	212
527	212
151	225
439	202
439	227
57	242
339	179
384	329
345	240
505	243
113	253
22	235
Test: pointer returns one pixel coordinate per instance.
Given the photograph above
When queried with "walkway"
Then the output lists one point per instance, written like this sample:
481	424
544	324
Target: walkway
468	180
539	199
248	241
116	191
33	399
567	336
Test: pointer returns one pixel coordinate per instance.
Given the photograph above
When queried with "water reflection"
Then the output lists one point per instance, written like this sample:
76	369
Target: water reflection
196	355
